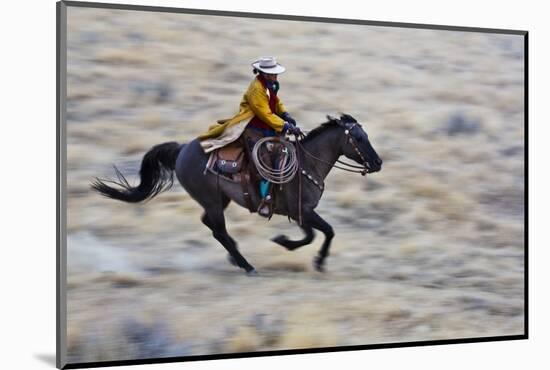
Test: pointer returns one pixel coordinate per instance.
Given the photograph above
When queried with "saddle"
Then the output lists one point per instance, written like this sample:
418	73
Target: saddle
229	159
233	162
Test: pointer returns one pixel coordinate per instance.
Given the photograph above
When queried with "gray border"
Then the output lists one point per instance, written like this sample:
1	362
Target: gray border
298	18
61	160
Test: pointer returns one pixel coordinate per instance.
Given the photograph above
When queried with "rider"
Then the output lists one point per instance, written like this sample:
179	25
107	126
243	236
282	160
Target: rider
261	114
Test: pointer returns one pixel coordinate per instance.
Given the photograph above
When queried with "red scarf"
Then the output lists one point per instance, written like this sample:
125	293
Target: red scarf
273	100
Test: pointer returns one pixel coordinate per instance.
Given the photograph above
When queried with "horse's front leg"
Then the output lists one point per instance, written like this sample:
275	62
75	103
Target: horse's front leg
295	244
318	223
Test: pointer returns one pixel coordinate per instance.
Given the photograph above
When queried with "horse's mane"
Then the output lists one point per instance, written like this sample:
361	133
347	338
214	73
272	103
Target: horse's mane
332	122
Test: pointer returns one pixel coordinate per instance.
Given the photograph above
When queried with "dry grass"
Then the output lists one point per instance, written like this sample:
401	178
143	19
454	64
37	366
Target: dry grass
429	188
309	326
246	339
121	56
442	221
118	280
286	266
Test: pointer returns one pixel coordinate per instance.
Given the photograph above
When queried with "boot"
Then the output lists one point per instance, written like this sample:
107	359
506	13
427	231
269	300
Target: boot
265	208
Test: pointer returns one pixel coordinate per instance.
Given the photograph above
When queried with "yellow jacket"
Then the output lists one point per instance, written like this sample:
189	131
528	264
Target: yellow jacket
255	102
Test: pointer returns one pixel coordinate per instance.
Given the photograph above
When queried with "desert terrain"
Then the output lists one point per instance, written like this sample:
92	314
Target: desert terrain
431	247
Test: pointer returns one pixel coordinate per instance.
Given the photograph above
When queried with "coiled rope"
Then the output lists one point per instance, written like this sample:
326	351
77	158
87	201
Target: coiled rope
288	163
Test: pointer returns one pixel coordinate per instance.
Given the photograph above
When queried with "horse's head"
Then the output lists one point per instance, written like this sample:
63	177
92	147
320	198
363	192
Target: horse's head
356	145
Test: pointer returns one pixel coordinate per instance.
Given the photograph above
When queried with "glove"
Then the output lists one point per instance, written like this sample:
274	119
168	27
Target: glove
288	118
291	129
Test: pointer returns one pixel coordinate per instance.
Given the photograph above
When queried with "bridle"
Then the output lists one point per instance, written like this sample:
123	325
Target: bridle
363	170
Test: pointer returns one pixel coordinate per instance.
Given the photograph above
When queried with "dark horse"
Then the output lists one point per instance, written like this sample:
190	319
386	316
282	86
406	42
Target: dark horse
318	152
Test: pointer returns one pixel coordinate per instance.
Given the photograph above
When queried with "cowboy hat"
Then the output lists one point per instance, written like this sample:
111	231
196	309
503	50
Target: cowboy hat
268	65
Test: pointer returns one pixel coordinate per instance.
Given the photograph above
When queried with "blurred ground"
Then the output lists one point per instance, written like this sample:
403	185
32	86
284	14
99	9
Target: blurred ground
429	248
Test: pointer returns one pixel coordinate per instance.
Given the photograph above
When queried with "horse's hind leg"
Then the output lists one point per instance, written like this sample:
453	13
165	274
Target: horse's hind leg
225	203
295	244
214	219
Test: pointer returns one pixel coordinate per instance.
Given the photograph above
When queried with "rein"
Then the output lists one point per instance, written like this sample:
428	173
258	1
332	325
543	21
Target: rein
350	167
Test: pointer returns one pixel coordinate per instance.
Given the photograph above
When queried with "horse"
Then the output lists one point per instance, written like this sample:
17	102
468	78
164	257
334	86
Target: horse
318	152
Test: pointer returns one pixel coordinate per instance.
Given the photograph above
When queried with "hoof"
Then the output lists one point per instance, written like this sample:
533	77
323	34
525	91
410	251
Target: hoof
283	241
319	264
280	239
252	272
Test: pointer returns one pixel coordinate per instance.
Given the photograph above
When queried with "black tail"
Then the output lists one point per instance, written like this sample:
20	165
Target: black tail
156	175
